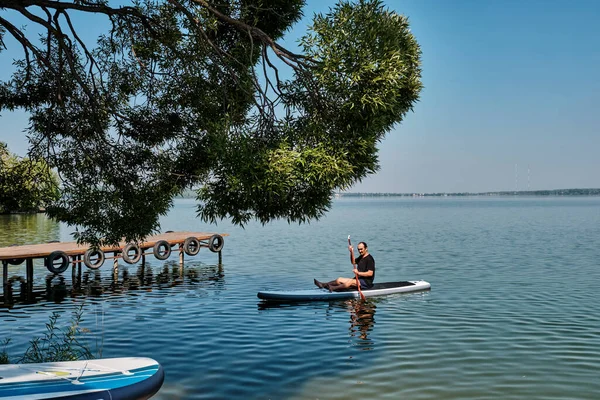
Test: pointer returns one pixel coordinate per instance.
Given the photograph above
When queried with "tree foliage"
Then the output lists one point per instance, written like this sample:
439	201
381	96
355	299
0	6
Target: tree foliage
25	185
195	93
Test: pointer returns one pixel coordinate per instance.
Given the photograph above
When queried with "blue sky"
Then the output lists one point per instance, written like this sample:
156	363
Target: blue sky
511	98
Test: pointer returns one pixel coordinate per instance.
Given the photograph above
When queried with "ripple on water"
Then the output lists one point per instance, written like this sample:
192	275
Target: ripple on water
511	313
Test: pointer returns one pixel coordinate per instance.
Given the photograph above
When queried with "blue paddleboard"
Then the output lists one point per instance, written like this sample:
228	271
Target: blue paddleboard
107	378
316	294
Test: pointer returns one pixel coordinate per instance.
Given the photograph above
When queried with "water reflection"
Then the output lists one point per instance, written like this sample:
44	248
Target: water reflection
56	288
24	229
362	321
12	282
362	316
96	283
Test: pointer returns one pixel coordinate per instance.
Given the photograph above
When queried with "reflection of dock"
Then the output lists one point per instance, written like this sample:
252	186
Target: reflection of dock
92	284
58	256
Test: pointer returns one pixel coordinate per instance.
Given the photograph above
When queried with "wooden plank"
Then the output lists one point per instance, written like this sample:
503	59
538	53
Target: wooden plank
73	249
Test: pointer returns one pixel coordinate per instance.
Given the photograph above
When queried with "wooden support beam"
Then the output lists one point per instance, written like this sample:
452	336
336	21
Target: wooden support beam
5	281
29	267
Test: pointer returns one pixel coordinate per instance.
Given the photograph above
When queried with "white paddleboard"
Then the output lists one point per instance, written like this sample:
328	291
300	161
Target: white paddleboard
316	294
107	378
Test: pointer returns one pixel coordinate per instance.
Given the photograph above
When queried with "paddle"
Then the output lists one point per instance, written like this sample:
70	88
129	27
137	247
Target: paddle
362	296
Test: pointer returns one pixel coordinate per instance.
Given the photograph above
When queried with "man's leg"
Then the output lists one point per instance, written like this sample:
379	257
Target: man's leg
341	284
325	285
320	284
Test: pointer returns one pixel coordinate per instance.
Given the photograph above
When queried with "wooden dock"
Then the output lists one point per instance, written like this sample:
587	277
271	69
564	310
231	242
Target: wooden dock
59	256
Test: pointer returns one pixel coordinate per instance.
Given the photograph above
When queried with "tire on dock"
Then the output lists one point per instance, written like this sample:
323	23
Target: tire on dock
131	258
162	250
191	246
51	262
93	258
215	243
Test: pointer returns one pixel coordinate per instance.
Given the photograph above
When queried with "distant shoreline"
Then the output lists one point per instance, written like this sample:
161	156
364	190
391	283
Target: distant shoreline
554	192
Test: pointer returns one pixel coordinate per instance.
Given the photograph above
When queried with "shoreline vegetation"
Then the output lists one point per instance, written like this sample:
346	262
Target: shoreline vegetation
67	343
553	192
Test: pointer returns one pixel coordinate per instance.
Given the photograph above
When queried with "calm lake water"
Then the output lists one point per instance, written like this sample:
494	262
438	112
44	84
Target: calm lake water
513	310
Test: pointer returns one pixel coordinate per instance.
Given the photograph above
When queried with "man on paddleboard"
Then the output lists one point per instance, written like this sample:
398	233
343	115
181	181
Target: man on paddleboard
364	267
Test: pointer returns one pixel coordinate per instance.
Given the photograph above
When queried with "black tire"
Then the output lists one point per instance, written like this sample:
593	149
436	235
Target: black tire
15	261
51	264
191	246
137	253
215	243
162	250
90	262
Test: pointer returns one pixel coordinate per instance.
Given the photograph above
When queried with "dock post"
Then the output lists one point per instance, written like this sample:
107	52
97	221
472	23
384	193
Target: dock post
75	266
5	281
180	255
29	273
220	258
115	265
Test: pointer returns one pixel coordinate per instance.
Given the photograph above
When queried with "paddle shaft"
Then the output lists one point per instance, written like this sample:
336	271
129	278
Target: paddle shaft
362	296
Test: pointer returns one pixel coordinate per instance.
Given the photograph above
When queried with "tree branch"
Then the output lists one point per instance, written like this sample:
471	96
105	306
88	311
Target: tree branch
64	6
284	54
27	45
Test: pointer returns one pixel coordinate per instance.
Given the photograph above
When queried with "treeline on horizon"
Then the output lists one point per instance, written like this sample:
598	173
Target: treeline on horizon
553	192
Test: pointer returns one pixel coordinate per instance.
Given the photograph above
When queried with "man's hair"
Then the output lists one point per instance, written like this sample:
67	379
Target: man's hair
364	244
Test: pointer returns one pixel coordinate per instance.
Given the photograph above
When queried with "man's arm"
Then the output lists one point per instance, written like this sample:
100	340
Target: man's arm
370	266
367	274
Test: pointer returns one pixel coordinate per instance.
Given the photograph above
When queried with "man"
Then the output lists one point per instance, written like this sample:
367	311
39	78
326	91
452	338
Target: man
364	267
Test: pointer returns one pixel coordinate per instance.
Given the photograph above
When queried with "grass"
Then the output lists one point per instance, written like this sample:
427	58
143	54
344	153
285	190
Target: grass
56	344
4	359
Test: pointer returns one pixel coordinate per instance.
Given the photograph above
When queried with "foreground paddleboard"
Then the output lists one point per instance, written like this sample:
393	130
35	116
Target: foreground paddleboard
316	294
107	378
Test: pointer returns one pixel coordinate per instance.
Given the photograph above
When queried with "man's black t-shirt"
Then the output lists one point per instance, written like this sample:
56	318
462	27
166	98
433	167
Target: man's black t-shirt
366	264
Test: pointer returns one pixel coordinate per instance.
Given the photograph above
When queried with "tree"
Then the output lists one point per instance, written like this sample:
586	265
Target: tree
196	93
25	185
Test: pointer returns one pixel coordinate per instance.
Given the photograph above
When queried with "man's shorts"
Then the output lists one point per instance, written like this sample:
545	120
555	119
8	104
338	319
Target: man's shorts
364	284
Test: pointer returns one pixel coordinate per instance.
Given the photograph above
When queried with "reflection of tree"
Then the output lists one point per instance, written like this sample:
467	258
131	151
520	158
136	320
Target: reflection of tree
212	275
170	275
145	275
10	290
56	289
27	228
362	320
90	284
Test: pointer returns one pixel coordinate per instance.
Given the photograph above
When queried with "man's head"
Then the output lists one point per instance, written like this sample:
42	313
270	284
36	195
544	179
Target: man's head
362	247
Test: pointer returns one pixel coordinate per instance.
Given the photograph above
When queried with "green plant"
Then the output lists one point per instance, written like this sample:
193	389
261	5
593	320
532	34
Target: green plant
57	344
4	358
26	185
